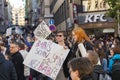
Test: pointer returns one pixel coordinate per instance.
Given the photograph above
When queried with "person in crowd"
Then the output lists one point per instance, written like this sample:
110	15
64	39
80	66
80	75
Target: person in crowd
102	55
111	53
7	69
29	41
107	49
115	55
116	36
79	68
103	59
24	52
4	50
114	63
60	39
80	38
97	69
17	60
115	43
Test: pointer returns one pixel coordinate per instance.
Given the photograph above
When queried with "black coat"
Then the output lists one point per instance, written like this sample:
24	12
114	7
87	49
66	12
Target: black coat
7	70
72	54
87	77
98	69
17	60
75	49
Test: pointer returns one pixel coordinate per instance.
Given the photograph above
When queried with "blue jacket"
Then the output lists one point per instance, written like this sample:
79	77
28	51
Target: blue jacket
112	59
7	70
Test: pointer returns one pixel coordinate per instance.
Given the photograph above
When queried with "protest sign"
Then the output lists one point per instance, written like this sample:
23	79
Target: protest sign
46	57
42	30
8	32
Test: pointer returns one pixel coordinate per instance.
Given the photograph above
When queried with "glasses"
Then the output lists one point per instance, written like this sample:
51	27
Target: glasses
58	35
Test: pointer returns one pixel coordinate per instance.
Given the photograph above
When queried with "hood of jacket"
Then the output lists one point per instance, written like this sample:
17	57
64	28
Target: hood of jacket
98	69
2	58
116	56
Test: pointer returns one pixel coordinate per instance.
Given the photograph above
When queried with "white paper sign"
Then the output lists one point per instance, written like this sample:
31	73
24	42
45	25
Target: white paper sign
82	49
42	31
8	32
46	57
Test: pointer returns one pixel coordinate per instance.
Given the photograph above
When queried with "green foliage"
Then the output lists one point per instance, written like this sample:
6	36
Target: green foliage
114	8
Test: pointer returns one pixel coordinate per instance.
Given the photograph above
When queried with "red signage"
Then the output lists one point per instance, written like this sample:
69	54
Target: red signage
52	27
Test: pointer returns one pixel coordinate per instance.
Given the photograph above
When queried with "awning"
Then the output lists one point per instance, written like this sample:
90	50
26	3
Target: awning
109	30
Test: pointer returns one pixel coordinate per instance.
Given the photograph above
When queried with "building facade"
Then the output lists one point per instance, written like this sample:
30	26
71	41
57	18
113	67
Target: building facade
3	15
9	9
93	16
18	16
89	14
16	13
32	10
60	10
36	11
1	11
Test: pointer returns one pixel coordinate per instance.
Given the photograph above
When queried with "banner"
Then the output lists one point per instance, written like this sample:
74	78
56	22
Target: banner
42	30
46	57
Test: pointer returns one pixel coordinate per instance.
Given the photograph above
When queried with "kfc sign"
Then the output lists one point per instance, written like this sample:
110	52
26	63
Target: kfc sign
95	18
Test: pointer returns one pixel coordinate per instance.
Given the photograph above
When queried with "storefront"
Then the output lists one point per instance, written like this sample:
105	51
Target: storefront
96	21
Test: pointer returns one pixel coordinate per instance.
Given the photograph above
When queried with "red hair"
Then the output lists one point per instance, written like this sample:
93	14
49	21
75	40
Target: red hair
80	33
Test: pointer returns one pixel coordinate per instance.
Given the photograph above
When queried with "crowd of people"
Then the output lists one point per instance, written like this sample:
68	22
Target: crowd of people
90	58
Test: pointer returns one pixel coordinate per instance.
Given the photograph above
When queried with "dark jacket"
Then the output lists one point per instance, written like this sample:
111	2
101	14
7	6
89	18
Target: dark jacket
75	50
17	60
87	77
88	45
7	70
98	69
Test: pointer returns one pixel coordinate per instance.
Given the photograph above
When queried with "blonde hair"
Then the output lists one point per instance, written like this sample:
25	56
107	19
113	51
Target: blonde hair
80	33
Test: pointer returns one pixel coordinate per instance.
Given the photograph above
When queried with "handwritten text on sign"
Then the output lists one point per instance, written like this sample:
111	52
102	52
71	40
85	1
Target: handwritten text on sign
46	57
42	31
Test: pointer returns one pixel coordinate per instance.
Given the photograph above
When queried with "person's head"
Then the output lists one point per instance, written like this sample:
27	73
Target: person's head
2	45
93	57
111	52
116	42
79	67
101	53
60	36
14	47
116	50
79	34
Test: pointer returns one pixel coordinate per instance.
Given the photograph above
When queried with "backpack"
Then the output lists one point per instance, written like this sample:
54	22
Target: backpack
104	77
116	65
116	70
